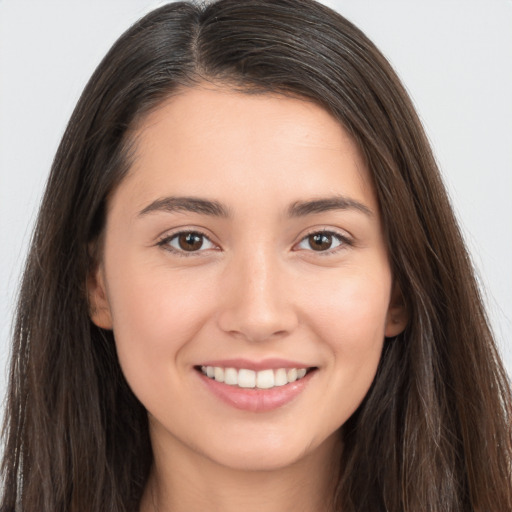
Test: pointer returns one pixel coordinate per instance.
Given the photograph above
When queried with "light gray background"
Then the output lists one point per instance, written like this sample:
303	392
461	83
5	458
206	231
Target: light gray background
455	57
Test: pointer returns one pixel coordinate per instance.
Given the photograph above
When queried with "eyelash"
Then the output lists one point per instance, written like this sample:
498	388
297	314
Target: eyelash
343	242
166	241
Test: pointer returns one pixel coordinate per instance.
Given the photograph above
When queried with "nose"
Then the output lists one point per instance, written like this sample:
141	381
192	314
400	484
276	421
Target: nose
256	301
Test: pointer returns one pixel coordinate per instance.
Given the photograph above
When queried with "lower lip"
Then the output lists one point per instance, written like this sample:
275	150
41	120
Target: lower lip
254	399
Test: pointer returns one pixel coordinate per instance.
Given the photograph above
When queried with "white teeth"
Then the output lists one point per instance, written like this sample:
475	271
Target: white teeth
265	379
219	374
244	378
231	376
292	375
280	378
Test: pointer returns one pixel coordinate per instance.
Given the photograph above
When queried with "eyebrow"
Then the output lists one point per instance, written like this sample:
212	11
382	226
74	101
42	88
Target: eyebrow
186	204
303	208
216	209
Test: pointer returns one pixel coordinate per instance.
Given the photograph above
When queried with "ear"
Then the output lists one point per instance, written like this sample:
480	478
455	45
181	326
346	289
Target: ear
99	307
397	316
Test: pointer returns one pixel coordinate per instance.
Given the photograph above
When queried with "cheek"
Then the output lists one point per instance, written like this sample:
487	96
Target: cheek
350	319
155	314
351	311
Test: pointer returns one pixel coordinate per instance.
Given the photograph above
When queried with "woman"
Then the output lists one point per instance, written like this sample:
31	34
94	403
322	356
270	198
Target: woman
247	288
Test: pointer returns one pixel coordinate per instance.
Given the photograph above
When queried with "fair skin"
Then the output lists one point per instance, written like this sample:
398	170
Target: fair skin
278	263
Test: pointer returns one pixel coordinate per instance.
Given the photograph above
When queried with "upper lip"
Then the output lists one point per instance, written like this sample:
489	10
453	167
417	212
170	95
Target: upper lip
264	364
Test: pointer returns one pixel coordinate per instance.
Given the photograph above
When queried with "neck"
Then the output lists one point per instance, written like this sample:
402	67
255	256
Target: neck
184	481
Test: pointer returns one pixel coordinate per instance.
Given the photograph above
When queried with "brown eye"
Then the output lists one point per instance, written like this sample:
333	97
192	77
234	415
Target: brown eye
188	241
322	241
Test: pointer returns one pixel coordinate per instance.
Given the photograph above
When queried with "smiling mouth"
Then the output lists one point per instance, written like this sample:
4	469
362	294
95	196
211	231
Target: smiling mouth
250	379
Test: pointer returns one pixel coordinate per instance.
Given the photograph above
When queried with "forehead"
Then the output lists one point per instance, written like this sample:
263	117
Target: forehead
208	137
248	117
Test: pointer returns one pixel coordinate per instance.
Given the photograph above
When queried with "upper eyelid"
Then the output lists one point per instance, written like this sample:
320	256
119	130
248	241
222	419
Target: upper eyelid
171	233
344	236
166	237
345	240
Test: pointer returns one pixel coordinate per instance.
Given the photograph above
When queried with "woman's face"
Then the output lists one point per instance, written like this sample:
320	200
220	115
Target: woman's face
245	243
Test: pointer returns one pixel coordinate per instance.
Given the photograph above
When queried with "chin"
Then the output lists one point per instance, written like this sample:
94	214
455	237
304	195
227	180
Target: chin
268	453
269	461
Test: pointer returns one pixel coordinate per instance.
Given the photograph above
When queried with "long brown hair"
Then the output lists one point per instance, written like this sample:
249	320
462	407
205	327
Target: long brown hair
433	433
